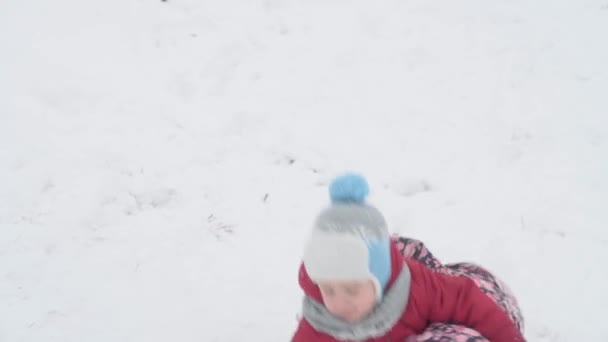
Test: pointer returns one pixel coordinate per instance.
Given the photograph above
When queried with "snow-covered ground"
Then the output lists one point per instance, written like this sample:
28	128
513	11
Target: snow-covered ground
162	162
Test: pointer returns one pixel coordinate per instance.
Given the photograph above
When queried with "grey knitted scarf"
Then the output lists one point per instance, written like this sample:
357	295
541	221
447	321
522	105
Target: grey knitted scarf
377	323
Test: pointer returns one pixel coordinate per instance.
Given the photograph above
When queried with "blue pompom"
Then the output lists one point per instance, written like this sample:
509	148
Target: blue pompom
350	188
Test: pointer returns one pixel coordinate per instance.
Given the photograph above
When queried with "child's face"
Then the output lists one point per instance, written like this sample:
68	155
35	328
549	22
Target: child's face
350	300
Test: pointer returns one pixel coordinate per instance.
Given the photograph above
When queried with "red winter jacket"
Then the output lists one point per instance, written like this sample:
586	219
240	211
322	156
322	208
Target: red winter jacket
434	297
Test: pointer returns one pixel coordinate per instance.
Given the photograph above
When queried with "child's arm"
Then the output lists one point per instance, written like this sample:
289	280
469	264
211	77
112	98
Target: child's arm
459	300
306	333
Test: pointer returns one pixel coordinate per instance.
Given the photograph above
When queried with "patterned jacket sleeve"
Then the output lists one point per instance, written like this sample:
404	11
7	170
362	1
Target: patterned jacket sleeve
459	300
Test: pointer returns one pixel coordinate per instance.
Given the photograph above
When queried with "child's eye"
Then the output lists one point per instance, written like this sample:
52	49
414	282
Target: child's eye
327	291
352	291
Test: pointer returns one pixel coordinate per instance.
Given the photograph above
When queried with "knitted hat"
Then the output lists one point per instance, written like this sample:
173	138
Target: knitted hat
350	239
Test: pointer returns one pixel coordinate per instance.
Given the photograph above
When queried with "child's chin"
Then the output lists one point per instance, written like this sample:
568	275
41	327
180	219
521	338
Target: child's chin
353	319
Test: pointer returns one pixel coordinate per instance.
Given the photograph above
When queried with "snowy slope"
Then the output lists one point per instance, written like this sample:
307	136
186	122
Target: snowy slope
161	162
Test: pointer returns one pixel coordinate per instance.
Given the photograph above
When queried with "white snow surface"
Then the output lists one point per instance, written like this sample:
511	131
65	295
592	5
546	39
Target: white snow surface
161	163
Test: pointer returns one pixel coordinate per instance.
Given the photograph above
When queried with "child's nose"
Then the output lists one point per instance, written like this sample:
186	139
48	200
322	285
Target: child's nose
343	307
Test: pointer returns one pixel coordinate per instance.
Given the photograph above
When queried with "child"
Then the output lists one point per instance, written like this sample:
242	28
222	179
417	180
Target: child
361	284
